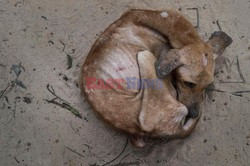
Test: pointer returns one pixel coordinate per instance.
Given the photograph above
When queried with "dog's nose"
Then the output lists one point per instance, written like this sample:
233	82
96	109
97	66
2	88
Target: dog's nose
193	111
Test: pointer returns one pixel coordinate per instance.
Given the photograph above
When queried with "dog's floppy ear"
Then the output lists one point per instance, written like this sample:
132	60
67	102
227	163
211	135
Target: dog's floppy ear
167	62
151	107
219	40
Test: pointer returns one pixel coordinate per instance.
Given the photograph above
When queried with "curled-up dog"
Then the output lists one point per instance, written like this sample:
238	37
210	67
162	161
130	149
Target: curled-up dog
147	72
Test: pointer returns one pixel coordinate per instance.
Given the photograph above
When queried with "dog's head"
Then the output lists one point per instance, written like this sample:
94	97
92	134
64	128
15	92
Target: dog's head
193	67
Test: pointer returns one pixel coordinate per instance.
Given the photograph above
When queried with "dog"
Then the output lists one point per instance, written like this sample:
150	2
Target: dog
162	46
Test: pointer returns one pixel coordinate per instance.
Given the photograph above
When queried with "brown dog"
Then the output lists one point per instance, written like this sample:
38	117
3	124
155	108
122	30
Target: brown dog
137	47
194	64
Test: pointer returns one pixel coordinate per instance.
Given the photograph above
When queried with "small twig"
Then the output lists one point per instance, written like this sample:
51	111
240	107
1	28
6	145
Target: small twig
69	61
10	86
64	45
197	16
232	93
240	73
7	99
87	146
231	82
118	154
3	91
51	42
66	106
45	18
16	160
20	64
239	70
79	154
62	103
244	91
52	91
218	24
54	102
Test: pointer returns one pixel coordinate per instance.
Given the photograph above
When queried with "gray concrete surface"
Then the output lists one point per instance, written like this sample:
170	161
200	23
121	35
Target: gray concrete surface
40	33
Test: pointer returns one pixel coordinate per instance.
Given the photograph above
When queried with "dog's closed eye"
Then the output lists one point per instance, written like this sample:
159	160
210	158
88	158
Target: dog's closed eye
189	84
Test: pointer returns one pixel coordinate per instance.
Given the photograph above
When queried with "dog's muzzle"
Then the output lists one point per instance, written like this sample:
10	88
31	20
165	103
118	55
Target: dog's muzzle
193	111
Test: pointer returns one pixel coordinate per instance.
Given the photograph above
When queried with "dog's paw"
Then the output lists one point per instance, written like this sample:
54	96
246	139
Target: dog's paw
137	141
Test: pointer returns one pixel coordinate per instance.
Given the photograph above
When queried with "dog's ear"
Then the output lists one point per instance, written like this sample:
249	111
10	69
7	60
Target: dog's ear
151	107
167	62
219	40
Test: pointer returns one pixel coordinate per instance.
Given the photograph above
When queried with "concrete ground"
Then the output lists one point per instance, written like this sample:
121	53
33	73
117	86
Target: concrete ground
38	38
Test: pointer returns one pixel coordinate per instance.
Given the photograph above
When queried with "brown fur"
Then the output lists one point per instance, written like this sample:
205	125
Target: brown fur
130	47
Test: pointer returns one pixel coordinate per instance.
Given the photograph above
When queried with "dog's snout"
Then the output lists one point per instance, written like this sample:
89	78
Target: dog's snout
193	111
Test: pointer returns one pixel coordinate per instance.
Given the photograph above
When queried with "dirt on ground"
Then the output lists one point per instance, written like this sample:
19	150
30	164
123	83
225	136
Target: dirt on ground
44	120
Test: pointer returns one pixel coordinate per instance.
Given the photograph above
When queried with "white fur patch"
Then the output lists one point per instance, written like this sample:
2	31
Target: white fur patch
183	111
215	56
204	59
142	117
164	14
188	124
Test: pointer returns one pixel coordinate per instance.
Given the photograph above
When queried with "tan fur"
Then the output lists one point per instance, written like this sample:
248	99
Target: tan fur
130	47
